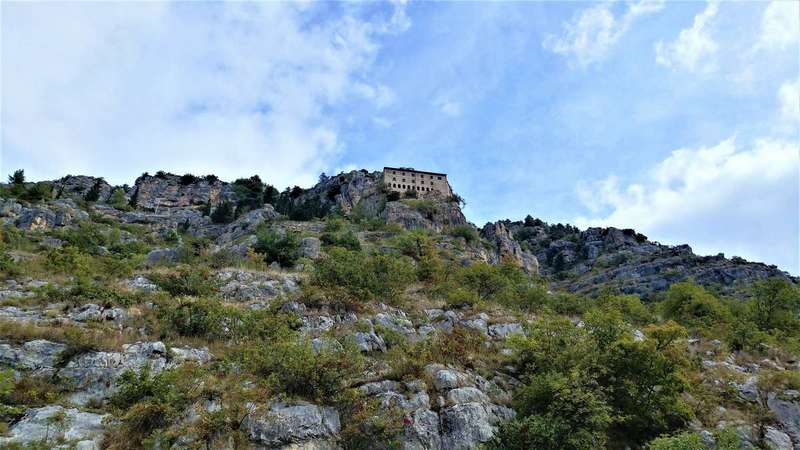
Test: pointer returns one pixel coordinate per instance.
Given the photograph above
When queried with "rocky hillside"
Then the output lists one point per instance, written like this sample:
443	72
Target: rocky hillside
189	312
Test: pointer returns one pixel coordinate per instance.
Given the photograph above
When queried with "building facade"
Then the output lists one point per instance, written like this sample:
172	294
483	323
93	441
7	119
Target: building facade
402	179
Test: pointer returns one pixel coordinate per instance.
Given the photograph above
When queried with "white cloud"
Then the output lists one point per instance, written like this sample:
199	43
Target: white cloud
448	107
590	35
741	201
789	96
780	25
234	88
694	48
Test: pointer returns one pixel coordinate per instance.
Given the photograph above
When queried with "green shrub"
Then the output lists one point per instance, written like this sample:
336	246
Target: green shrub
353	277
294	367
37	192
225	212
187	281
693	305
346	239
283	249
468	232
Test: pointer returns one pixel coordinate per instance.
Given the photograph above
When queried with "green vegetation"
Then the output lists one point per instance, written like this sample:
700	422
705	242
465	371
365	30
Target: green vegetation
602	371
283	249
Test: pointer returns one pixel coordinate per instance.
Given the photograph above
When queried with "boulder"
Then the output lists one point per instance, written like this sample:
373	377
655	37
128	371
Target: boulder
161	255
94	374
291	424
503	330
466	425
77	186
56	424
786	408
421	431
32	355
310	247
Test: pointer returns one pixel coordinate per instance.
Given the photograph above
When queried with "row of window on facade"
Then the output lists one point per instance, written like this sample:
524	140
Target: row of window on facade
413	188
394	172
413	181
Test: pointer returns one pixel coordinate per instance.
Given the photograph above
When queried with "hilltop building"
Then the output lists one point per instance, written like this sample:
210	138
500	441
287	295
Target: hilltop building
402	179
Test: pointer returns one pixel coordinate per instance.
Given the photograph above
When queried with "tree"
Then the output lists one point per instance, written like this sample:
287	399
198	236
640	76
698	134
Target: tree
94	192
283	249
223	213
117	199
557	411
775	303
18	177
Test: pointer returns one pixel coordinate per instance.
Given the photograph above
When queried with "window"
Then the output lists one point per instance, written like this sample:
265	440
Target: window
439	178
404	180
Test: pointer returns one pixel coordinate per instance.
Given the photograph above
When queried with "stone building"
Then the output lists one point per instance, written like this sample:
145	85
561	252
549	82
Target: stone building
401	179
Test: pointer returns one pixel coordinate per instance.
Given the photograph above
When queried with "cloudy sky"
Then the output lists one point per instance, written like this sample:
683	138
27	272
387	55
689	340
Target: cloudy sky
679	119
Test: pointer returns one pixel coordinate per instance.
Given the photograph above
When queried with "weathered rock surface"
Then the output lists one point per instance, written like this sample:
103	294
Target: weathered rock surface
508	248
439	216
93	375
166	190
55	424
32	355
248	286
591	260
299	425
77	186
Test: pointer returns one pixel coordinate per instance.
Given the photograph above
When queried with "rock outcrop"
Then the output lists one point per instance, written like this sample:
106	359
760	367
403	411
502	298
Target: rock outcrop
165	190
77	187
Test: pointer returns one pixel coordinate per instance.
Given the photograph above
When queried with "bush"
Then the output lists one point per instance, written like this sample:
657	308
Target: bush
283	249
225	212
294	367
353	277
347	240
392	196
37	192
187	281
117	200
18	177
187	179
468	232
692	305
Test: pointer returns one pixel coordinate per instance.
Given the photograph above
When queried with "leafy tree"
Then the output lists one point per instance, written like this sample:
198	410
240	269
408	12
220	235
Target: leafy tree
557	411
283	249
225	212
693	305
187	179
117	199
271	195
18	177
37	192
776	304
249	193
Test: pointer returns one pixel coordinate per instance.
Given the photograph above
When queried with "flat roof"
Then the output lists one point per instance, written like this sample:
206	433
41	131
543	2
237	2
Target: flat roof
409	169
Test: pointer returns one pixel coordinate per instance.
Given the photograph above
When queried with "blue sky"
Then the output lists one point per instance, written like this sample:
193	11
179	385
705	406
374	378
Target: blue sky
678	119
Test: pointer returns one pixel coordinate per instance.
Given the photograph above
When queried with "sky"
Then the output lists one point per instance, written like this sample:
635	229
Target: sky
678	119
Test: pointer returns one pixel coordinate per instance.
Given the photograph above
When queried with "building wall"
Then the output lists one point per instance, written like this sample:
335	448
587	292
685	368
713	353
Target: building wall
401	180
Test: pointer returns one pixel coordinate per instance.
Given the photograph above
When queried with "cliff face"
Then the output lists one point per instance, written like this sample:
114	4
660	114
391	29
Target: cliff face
598	258
173	191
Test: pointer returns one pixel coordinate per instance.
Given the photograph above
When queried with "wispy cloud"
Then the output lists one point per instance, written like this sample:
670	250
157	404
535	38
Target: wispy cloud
694	48
780	25
592	33
721	197
186	86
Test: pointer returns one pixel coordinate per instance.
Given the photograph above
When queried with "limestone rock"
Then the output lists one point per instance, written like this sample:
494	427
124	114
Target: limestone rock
508	248
466	425
32	355
94	374
161	255
77	186
55	423
310	247
284	424
166	190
